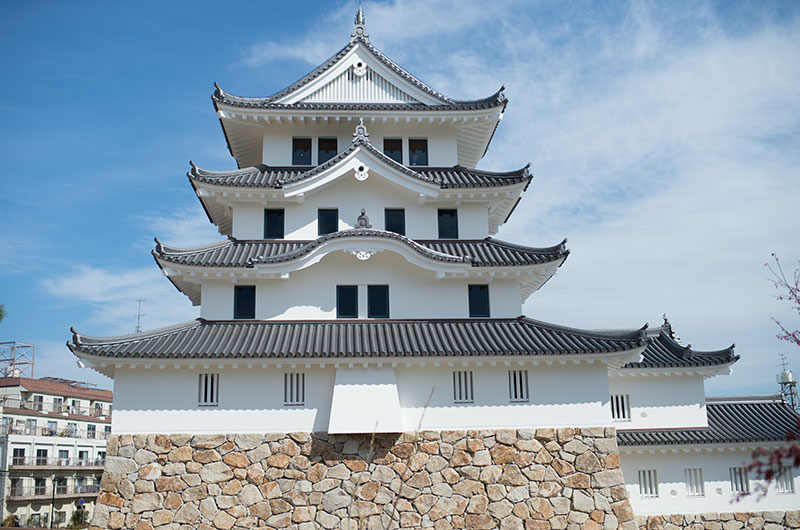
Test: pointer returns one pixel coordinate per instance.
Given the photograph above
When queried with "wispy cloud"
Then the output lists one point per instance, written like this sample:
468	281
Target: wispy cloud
186	227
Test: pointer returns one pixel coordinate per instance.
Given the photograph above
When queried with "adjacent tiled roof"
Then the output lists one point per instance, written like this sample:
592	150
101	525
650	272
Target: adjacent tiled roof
262	176
739	419
665	352
487	252
56	389
201	339
495	100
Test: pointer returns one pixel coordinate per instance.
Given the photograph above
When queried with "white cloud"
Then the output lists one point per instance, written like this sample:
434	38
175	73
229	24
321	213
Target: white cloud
186	227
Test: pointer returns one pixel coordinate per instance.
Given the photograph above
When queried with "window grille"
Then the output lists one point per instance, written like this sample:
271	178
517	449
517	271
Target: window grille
518	386
462	387
648	483
784	481
740	482
695	487
620	407
208	395
294	389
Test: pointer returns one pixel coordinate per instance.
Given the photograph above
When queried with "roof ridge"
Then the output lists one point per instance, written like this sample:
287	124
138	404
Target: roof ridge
78	339
745	398
560	247
639	333
687	351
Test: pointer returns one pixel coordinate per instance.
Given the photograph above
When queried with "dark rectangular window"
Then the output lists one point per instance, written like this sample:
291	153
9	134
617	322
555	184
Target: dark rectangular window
393	148
478	300
244	301
327	150
346	301
418	152
327	221
448	224
18	457
394	220
273	223
301	151
378	301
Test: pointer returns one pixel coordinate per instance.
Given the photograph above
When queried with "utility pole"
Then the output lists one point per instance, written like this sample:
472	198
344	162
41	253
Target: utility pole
139	315
788	384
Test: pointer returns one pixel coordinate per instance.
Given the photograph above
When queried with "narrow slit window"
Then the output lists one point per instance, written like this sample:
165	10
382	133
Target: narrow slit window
394	220
301	151
462	387
740	481
273	223
393	148
347	301
294	389
418	152
478	300
648	483
208	394
327	149
518	386
784	481
620	407
378	301
695	487
327	221
244	302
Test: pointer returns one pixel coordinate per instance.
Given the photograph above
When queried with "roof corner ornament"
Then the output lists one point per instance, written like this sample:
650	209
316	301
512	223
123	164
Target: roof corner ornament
359	28
363	220
361	131
667	325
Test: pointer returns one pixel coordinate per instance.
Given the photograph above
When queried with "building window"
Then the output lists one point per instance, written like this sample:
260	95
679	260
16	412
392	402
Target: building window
648	483
38	403
18	456
327	149
107	430
60	518
784	481
462	387
244	302
83	458
478	300
16	487
301	151
620	407
418	152
61	486
91	431
71	430
518	386
273	223
346	301
75	407
394	220
740	482
41	457
695	487
208	391
63	457
58	404
30	426
294	389
393	148
52	428
378	301
448	224
327	221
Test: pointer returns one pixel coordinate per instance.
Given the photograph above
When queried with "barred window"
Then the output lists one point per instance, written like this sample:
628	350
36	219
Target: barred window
784	481
208	393
620	407
740	482
518	386
648	483
294	389
462	387
695	487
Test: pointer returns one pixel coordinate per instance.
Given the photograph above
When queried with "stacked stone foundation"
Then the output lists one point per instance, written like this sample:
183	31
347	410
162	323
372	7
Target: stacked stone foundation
508	479
766	520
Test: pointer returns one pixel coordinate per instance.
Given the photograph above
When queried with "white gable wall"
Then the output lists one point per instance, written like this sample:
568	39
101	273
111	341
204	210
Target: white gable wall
676	401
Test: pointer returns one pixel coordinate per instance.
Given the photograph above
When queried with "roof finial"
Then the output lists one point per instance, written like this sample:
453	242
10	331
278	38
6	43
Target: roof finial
360	30
361	131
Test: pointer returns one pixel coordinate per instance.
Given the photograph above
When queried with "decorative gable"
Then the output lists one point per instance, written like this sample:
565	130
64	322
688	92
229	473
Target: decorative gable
360	83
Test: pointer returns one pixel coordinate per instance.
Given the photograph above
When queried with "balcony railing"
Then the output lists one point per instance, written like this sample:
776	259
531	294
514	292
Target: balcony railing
52	408
18	492
68	432
57	462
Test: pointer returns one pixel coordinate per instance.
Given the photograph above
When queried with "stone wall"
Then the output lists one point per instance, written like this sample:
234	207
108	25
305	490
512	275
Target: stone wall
770	520
508	479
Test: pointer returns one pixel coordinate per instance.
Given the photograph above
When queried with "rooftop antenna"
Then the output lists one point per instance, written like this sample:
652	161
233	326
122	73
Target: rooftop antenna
16	359
788	384
139	315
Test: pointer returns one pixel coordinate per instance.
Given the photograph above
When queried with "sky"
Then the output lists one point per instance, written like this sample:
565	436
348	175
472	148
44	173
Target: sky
664	139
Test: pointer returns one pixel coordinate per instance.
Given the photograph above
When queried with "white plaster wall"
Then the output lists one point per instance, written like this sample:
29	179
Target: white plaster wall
251	400
662	402
311	293
277	143
248	221
569	395
670	469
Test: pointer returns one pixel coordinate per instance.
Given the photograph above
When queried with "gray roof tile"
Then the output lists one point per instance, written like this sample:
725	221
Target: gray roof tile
332	339
665	352
730	420
488	252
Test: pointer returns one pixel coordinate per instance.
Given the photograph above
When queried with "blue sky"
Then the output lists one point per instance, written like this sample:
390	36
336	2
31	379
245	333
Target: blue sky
664	137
